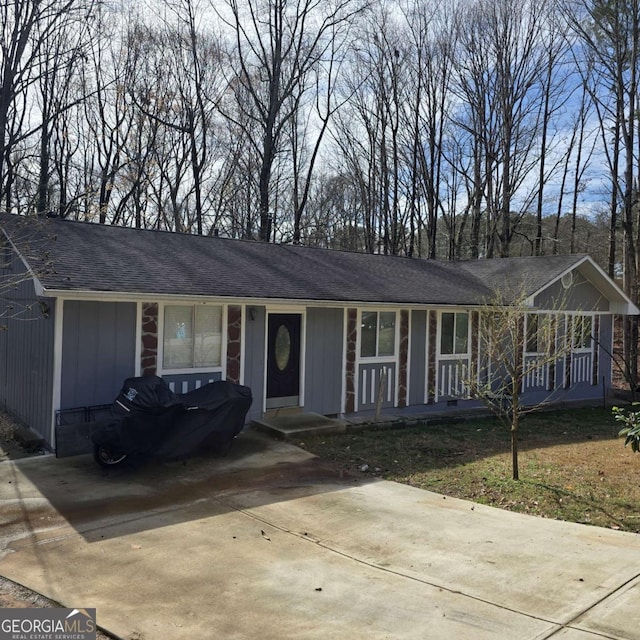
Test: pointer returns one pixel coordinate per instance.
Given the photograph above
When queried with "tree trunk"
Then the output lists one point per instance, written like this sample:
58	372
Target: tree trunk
514	448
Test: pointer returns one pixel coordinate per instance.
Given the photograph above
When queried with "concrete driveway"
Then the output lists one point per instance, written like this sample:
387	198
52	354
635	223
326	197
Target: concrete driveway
268	543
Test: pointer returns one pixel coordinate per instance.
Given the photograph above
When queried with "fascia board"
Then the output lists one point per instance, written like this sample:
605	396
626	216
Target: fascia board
113	296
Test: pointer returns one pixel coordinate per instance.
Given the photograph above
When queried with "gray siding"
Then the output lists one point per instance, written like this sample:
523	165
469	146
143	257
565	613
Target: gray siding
581	296
26	369
605	342
323	360
26	348
417	358
254	353
98	351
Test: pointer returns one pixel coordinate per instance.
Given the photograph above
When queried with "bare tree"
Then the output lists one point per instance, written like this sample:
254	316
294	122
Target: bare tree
517	345
431	37
368	132
609	31
279	45
500	66
29	28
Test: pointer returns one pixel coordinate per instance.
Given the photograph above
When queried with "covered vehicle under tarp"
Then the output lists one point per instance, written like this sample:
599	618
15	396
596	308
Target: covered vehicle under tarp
212	416
151	420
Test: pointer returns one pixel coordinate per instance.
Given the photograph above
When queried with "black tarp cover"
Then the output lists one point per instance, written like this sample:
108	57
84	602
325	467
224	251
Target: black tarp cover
151	419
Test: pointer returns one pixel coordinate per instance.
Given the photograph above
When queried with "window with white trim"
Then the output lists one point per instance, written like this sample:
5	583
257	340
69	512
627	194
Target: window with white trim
454	333
192	337
581	332
540	333
377	334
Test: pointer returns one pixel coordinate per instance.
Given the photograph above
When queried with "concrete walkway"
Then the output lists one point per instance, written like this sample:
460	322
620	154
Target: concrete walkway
267	543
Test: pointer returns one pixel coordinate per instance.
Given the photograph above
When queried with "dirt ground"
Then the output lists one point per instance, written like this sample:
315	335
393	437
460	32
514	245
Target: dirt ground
12	595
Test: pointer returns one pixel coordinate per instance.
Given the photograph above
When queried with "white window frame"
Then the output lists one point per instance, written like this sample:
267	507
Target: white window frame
221	368
573	318
544	316
462	358
453	356
396	337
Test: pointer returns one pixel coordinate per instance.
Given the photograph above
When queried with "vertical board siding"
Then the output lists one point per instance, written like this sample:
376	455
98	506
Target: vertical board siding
605	347
26	351
254	354
28	370
417	358
324	351
98	351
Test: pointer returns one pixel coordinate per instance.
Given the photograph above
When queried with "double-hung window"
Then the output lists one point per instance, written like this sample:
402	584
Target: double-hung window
192	337
378	334
454	333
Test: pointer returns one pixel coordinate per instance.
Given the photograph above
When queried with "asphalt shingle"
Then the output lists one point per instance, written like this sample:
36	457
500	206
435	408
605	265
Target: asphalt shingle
79	256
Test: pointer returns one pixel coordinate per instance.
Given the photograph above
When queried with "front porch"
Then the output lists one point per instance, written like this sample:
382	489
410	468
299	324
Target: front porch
293	425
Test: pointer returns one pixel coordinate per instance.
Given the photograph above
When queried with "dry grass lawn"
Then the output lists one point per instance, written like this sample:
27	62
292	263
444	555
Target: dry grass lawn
573	466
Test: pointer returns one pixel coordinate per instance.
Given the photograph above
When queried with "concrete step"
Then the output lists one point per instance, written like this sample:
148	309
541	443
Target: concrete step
288	425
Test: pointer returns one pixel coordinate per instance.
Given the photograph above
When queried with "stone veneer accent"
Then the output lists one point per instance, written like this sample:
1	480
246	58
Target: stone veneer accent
352	335
149	355
234	343
475	350
433	335
404	358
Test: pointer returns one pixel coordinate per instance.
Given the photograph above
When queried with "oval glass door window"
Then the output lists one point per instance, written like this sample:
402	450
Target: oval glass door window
282	347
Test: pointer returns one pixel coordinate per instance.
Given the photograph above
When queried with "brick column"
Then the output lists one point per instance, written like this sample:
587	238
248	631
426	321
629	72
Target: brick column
403	358
475	351
234	343
432	324
149	356
352	335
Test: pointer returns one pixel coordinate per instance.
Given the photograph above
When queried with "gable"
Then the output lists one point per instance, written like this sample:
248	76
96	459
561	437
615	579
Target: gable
584	287
580	295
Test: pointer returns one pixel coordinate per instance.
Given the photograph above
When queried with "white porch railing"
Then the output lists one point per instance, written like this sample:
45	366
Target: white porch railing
453	376
370	378
581	368
536	373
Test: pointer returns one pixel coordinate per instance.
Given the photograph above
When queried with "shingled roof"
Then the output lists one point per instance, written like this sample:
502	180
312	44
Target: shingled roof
69	256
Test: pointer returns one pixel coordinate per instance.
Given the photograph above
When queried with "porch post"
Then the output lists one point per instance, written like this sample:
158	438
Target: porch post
234	342
475	350
432	324
350	370
595	327
403	358
149	355
568	337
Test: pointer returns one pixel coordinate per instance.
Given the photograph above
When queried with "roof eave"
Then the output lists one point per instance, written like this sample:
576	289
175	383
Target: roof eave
139	296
